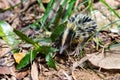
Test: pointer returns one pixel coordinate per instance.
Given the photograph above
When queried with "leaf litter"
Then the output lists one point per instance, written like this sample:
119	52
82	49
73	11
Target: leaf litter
67	67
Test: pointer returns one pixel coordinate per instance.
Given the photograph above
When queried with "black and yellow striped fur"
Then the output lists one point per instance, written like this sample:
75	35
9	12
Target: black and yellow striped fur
79	28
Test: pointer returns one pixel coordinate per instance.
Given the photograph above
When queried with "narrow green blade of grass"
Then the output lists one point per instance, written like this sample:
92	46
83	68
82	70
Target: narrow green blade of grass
59	12
6	32
69	9
82	3
58	31
112	10
50	61
114	45
90	5
107	26
29	57
41	4
63	2
58	16
25	38
46	14
118	26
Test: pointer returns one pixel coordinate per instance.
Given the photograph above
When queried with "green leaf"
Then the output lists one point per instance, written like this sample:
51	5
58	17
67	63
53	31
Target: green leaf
29	57
46	49
50	61
86	2
36	25
6	32
43	41
25	38
118	26
15	50
58	31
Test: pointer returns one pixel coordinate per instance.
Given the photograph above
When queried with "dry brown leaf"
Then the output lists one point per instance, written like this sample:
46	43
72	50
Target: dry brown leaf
115	77
5	4
5	14
34	71
19	75
45	1
41	78
85	75
108	60
5	70
103	16
22	74
4	48
6	61
26	78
